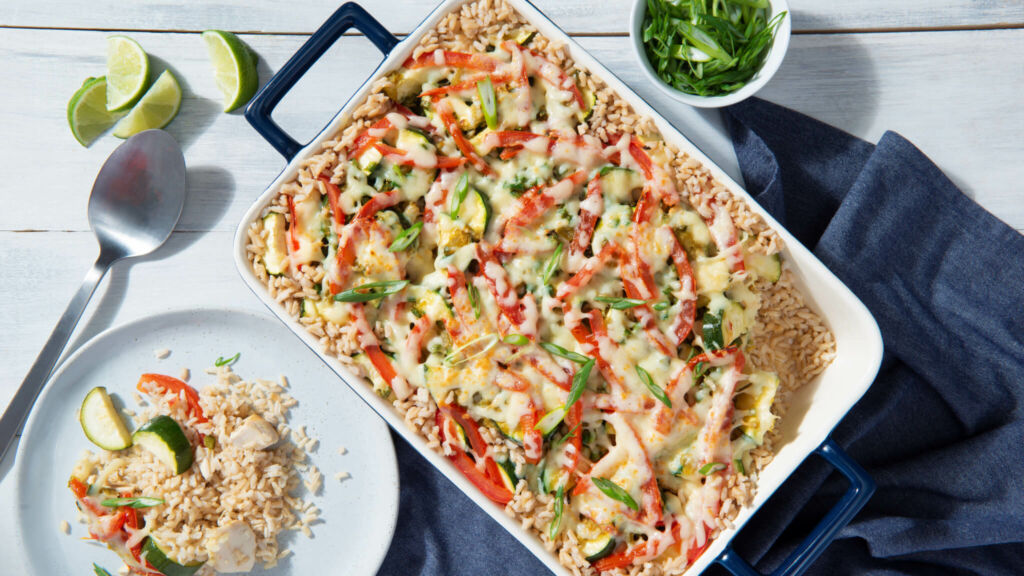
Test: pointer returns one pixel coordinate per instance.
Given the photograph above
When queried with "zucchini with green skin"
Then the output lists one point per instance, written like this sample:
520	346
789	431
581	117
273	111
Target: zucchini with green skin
101	422
369	160
596	548
163	437
275	256
767	266
507	471
163	564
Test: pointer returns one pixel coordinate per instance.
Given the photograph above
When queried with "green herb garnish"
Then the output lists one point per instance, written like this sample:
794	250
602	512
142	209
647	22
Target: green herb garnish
579	383
661	306
556	522
516	340
222	361
557	350
488	102
708	47
551	266
209	442
99	570
615	492
134	502
461	191
711	468
406	238
740	467
711	331
474	298
371	291
620	303
558	443
656	390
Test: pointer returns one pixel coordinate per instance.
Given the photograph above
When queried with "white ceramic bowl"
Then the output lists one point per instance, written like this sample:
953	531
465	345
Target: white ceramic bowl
771	64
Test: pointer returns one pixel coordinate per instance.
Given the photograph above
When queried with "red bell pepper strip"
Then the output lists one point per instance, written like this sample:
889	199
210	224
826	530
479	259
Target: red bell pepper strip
401	157
368	342
467	326
574	447
503	290
465	85
553	75
591	341
712	441
334	199
683	322
551	370
444	110
453	59
644	315
533	439
586	272
171	384
590	210
694	552
78	488
414	344
716	357
493	489
509	380
368	137
533	205
379	201
293	240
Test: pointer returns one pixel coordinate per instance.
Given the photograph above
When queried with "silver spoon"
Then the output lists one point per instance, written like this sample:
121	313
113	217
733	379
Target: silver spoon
135	204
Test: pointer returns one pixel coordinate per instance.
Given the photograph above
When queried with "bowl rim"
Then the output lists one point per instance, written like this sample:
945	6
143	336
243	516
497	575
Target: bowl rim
780	45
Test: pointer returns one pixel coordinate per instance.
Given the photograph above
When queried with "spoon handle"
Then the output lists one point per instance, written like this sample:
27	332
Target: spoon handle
25	397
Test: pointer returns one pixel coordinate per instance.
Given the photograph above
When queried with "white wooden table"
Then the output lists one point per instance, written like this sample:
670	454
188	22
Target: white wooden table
947	74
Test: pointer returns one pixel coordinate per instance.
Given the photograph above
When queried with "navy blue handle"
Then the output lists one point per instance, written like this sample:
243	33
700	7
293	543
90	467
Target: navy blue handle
860	491
349	15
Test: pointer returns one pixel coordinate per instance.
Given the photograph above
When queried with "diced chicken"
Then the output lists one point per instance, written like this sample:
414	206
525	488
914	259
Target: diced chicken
255	433
232	548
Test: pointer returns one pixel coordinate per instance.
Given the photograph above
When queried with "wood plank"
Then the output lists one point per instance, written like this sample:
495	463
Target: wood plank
837	78
44	269
401	16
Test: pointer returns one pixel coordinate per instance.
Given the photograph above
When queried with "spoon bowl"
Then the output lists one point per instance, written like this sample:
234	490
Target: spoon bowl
138	195
135	203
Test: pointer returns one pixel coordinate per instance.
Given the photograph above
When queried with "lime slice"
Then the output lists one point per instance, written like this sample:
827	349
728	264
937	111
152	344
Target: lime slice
87	111
233	67
157	107
127	72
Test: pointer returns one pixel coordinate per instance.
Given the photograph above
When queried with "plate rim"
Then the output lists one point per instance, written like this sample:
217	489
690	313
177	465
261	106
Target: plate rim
19	467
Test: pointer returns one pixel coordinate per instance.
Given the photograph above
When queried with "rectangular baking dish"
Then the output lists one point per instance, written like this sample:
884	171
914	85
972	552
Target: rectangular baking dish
814	410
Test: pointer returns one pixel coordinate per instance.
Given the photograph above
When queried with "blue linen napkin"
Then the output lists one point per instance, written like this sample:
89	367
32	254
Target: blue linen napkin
942	428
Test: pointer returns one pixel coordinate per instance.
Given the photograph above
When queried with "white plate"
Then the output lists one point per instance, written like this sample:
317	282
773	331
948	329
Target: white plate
53	439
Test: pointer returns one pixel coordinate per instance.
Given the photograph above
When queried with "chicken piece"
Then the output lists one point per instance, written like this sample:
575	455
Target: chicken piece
255	433
232	548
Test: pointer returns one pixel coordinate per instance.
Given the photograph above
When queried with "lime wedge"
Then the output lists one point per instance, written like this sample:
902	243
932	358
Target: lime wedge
127	72
233	67
87	111
157	107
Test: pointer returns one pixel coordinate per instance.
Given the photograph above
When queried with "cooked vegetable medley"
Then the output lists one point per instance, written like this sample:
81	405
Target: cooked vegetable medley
544	286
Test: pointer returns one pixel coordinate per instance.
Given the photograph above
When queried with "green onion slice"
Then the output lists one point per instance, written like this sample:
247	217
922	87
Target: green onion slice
620	303
488	102
551	266
406	238
134	502
458	357
615	492
516	340
556	522
579	383
461	191
371	291
557	350
222	361
656	391
711	468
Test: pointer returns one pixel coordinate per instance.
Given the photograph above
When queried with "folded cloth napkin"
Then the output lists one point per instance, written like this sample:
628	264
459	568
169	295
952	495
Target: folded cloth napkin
942	428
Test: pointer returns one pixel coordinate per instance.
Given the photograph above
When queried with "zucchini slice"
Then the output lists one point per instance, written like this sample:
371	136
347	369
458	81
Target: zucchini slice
767	266
156	557
163	437
551	477
596	548
476	213
101	423
369	160
507	471
411	140
589	99
275	259
550	421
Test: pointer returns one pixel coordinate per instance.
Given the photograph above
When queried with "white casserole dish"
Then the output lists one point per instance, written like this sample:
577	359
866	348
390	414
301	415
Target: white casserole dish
814	410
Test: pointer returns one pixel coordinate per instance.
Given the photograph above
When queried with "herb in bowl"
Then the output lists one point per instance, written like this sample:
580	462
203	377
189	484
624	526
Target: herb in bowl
708	47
